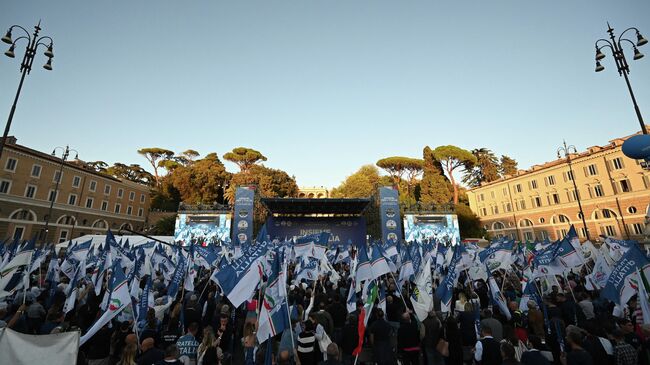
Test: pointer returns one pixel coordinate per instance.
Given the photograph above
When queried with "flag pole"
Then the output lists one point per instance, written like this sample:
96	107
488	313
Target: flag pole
401	295
27	275
566	279
206	285
286	302
135	324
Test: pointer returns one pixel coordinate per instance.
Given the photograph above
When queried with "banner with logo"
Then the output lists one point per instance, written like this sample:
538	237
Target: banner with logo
342	230
242	229
391	224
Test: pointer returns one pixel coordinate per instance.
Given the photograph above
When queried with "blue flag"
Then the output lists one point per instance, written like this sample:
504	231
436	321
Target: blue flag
623	282
445	290
178	278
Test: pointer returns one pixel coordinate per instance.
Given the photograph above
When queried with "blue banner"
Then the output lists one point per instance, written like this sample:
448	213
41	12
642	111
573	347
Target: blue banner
391	223
342	230
242	231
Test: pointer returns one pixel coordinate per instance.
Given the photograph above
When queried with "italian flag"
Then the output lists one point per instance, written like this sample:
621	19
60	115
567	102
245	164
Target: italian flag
119	299
371	290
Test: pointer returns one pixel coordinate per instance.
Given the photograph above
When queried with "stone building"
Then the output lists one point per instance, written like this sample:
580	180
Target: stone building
541	202
313	192
85	201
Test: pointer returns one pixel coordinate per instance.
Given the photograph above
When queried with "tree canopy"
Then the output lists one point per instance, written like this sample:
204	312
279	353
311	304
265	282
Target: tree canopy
133	172
434	187
272	183
202	181
507	166
244	157
451	158
154	155
361	184
397	166
486	168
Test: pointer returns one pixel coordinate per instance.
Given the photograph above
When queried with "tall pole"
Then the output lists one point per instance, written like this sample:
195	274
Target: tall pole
621	62
623	68
56	192
33	42
11	113
567	153
636	106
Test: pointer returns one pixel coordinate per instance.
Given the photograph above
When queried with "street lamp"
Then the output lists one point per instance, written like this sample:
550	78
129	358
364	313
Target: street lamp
621	63
66	152
33	41
567	151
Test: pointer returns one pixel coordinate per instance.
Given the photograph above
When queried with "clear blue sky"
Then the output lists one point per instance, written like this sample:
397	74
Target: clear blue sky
323	87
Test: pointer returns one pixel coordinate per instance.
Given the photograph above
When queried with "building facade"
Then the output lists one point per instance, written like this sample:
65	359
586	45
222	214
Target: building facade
85	201
313	192
541	203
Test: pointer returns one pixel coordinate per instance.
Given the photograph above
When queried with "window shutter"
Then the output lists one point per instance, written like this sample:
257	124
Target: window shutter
615	187
546	181
564	176
622	163
586	170
591	193
596	169
610	165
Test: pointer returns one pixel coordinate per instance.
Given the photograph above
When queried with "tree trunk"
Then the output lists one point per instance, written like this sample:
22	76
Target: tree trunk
453	183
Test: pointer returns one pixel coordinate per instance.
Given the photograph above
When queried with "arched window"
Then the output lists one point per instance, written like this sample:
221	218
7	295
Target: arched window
604	214
560	218
607	213
498	225
126	226
525	223
23	215
67	220
100	223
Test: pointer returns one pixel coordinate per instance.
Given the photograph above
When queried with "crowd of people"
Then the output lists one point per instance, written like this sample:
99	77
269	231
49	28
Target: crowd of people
575	326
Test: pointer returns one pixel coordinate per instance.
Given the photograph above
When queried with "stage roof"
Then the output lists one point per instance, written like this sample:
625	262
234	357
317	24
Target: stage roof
307	206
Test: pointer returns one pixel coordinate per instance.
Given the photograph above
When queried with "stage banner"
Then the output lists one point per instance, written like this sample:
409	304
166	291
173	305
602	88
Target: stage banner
391	224
243	222
342	230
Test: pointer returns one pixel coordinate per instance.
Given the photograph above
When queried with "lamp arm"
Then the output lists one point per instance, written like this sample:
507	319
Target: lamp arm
620	37
23	29
609	44
21	37
625	39
45	37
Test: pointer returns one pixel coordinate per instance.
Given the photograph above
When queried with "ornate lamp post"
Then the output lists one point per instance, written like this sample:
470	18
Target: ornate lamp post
567	151
616	46
66	152
33	42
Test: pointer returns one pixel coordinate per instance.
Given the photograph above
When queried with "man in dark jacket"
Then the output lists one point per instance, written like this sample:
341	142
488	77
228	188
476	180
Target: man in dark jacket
432	328
487	350
408	340
150	354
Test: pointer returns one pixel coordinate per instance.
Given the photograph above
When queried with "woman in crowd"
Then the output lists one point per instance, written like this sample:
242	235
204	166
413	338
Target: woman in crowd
451	334
207	352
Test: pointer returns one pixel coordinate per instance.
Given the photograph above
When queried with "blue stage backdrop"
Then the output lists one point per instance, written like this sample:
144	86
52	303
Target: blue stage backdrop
242	229
391	225
343	230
